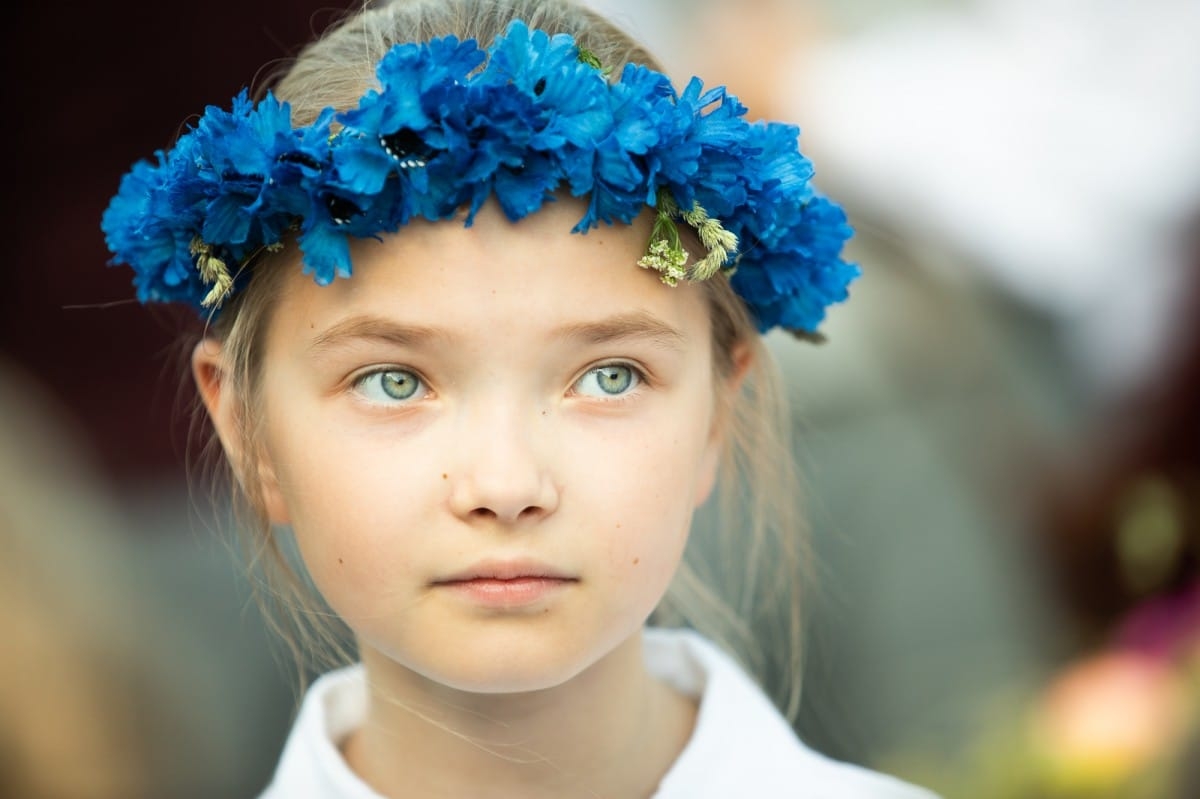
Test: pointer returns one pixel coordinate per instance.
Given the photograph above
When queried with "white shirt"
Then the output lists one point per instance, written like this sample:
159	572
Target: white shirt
741	745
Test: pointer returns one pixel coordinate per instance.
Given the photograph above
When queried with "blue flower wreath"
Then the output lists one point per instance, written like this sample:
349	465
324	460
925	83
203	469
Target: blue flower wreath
453	125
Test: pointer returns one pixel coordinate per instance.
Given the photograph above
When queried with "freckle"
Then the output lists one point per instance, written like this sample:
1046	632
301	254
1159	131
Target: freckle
445	476
618	525
341	561
636	561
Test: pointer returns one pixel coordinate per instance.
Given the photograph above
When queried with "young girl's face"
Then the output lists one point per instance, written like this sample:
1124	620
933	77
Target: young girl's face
490	441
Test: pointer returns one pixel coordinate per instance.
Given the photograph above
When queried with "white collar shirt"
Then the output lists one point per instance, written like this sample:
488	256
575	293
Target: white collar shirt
741	745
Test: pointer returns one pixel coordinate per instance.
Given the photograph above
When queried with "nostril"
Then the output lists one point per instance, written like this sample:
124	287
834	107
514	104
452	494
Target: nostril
531	512
525	514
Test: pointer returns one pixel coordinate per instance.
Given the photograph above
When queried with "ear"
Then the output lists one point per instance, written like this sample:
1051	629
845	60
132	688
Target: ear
725	393
741	357
211	370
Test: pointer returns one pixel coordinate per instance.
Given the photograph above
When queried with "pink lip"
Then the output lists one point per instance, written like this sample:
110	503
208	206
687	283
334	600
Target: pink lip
505	584
506	570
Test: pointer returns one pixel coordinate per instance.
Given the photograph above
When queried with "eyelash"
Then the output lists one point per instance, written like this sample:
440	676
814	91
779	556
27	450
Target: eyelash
638	375
360	385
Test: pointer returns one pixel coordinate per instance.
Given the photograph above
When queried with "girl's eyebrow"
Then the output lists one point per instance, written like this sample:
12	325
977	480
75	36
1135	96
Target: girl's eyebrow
635	325
639	325
375	328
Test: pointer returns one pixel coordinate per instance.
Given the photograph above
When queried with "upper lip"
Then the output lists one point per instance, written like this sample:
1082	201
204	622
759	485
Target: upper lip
506	570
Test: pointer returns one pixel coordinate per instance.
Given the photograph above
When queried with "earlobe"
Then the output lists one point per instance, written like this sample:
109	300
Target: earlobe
211	371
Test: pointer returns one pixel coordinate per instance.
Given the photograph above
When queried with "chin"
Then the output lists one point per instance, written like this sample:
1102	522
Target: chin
503	660
511	667
503	681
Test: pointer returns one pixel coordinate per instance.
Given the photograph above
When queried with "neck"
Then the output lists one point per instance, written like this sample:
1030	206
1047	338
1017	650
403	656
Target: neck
612	731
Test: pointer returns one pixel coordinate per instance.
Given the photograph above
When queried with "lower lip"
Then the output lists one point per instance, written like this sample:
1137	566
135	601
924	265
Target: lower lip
508	593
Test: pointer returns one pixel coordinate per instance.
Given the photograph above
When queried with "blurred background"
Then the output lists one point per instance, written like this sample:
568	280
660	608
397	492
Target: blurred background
1000	438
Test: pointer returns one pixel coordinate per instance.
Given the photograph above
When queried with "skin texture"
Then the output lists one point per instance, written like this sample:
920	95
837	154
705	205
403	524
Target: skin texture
506	449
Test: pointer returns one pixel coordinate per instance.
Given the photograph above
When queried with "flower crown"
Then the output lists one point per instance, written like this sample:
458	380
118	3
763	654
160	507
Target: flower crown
452	125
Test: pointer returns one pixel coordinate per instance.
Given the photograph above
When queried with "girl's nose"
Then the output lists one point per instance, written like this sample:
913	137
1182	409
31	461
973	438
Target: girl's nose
503	474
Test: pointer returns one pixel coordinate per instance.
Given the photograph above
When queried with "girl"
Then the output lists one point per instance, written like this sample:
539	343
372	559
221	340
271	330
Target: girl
433	359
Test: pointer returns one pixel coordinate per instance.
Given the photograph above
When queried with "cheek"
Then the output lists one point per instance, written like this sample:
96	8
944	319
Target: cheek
348	507
659	484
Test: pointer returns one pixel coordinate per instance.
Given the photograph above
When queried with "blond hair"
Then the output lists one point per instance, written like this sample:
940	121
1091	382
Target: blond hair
740	584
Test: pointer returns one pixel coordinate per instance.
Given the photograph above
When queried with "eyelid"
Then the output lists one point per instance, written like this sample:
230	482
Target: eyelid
641	373
356	379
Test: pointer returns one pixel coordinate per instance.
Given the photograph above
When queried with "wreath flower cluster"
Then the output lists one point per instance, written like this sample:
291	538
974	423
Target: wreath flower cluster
451	125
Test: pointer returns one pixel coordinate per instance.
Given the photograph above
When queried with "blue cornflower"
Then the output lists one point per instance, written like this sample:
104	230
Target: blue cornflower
491	151
569	95
143	229
238	166
791	285
777	181
393	129
620	176
714	124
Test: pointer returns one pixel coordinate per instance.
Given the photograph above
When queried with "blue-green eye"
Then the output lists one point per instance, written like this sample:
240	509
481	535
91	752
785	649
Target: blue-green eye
391	386
609	380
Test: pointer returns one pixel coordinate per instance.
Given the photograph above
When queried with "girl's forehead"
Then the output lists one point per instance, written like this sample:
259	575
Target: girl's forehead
496	277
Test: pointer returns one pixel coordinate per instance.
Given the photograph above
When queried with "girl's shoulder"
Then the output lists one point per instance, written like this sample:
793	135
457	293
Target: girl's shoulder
312	766
742	745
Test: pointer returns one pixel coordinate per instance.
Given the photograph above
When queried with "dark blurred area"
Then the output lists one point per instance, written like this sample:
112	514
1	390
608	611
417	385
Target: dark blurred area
90	88
1121	515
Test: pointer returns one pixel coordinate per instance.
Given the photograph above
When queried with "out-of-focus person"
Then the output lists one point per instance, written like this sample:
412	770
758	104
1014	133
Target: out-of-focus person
68	729
87	709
